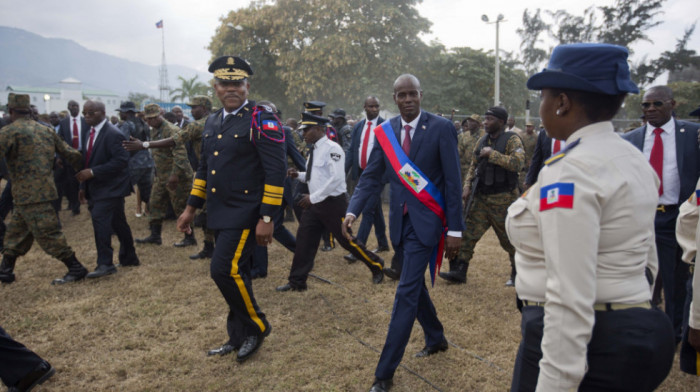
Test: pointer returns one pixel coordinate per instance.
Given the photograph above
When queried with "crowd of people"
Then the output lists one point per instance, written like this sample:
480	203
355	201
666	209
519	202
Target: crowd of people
594	224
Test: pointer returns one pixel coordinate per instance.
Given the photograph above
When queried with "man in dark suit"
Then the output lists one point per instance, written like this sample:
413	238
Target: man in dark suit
671	146
73	129
105	181
430	143
544	148
361	144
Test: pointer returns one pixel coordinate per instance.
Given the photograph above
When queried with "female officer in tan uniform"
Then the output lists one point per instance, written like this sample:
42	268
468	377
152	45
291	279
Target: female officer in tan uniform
584	235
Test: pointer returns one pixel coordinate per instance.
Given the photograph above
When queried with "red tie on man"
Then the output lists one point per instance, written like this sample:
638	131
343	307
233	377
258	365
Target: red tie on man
406	146
557	146
76	143
656	159
365	143
89	151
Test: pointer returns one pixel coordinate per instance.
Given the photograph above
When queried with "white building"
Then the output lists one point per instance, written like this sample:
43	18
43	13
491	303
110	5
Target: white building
55	99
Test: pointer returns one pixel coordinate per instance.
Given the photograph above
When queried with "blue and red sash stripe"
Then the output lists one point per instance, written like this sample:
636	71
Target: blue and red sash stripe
428	194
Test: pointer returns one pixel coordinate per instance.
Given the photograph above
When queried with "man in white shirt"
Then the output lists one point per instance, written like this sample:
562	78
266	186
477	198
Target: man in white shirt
325	205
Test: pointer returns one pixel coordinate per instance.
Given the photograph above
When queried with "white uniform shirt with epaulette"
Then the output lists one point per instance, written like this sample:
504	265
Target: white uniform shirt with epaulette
594	214
328	172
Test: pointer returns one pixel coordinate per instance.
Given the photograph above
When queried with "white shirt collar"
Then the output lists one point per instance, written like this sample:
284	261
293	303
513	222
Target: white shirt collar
235	111
668	128
413	123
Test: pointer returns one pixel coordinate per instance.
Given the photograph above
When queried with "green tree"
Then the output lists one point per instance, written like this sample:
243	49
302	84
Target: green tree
188	89
139	98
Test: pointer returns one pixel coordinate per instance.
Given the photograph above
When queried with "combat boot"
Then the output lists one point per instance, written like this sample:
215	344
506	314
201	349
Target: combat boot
206	253
76	271
189	240
457	273
154	238
7	268
511	281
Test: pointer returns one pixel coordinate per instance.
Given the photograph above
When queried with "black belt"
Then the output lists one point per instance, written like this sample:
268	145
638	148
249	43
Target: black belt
666	207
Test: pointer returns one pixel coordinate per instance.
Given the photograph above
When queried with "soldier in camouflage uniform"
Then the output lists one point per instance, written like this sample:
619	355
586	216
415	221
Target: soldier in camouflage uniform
173	177
499	157
140	162
192	133
529	138
466	141
340	123
29	149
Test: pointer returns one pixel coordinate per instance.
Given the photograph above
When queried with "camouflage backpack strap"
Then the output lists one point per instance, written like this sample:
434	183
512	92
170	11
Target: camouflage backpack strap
265	120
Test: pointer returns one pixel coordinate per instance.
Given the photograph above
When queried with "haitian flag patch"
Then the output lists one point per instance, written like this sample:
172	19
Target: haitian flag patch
697	197
557	195
269	125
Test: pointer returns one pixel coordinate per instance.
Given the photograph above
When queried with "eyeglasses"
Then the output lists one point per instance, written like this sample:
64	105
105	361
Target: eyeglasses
92	113
657	104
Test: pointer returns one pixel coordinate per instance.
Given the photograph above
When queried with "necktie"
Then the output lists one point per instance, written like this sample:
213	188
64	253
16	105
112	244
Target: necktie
656	159
310	164
406	146
557	146
365	143
76	141
89	151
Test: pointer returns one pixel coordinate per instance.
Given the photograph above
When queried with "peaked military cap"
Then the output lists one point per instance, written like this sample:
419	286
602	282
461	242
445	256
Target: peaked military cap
230	68
338	113
200	100
314	106
151	110
309	120
497	112
18	101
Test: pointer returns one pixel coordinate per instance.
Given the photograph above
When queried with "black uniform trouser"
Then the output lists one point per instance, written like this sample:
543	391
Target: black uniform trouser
327	215
108	217
72	186
630	350
230	270
16	361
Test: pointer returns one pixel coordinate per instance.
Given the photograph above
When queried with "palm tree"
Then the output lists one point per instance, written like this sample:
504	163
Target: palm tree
188	89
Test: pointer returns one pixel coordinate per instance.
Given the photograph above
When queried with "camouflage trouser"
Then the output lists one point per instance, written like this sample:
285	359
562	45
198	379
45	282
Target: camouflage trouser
487	211
160	194
38	222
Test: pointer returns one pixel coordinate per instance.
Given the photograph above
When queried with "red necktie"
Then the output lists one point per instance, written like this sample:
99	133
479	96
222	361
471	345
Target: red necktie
557	146
76	143
89	151
656	159
365	143
406	146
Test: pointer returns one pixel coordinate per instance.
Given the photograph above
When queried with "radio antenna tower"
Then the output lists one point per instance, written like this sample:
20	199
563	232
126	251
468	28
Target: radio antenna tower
163	86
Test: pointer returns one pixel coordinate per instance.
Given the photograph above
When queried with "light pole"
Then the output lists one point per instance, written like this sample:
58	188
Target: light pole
497	76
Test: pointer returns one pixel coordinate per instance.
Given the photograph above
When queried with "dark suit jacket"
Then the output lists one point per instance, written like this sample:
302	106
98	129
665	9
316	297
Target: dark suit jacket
109	162
686	154
543	149
434	151
65	129
352	158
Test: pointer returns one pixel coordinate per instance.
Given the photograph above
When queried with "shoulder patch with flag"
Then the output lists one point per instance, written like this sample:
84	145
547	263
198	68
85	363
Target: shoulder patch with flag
270	125
697	197
557	195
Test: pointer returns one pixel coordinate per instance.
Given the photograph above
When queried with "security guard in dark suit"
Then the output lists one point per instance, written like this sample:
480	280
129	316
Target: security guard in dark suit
240	176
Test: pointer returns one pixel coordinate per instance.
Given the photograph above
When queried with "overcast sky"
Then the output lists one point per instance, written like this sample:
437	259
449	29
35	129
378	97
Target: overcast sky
126	28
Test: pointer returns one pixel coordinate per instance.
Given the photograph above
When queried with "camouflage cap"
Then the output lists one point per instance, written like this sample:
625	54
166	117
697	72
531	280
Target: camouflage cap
151	110
529	124
18	101
200	100
475	117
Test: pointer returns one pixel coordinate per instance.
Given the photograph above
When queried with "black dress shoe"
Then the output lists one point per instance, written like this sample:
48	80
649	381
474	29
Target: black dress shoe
7	277
71	277
223	350
131	264
288	287
350	258
251	344
326	248
102	270
377	276
430	350
384	248
381	385
37	376
392	273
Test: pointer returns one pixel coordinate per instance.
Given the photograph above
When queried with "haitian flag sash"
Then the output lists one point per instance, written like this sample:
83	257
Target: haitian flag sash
417	183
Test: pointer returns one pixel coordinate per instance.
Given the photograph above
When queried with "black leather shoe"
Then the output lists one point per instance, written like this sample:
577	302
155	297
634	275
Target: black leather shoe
510	282
37	376
430	350
223	350
350	258
189	240
288	287
251	344
380	249
392	273
454	276
326	248
7	277
102	270
377	276
381	385
70	277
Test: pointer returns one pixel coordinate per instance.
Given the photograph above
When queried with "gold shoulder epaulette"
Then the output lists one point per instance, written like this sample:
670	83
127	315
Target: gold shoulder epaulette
562	154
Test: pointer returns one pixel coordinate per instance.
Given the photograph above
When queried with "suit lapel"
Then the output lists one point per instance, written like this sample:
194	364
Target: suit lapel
419	135
96	142
681	141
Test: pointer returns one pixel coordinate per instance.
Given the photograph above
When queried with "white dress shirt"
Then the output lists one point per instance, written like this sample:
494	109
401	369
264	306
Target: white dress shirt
671	179
328	173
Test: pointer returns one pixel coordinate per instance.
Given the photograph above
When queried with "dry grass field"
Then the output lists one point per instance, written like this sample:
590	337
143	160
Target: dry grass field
148	328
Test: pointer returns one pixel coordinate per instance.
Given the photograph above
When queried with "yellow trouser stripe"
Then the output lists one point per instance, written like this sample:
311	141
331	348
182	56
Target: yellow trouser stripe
241	285
272	201
198	193
697	363
274	189
364	255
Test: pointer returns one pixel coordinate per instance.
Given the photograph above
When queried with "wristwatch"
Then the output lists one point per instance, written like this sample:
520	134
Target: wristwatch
145	145
266	219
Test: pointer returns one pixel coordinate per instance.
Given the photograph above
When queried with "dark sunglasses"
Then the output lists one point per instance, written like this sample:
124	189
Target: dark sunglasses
657	104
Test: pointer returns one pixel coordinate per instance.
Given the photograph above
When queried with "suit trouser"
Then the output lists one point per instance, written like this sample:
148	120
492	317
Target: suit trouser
372	215
71	189
689	358
674	272
16	361
630	350
230	270
411	302
325	216
108	217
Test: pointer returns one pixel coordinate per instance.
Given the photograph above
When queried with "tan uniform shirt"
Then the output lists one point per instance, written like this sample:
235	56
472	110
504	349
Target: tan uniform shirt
688	237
